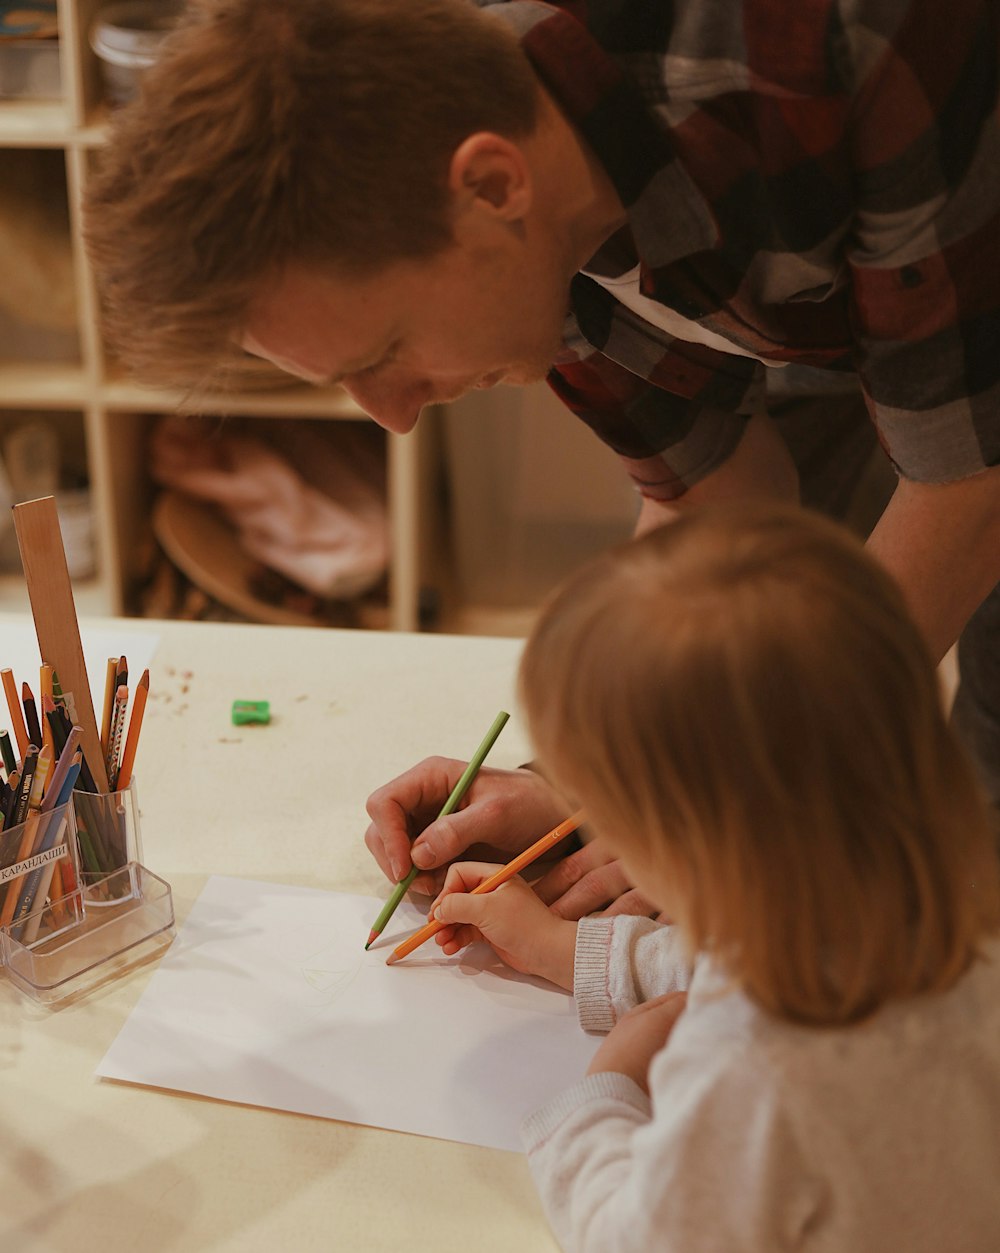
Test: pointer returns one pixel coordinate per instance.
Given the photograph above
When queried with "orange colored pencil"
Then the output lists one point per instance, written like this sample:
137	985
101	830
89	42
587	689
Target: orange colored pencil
566	827
132	738
14	705
57	890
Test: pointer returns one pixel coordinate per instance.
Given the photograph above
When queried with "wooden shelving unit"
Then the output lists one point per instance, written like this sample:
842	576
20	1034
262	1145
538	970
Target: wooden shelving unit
428	527
115	413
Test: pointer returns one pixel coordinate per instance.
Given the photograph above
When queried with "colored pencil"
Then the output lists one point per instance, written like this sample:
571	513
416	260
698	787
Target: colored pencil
7	797
46	682
12	856
9	760
56	724
59	723
13	887
43	766
109	703
31	716
22	795
14	705
117	727
540	847
62	767
10	850
132	738
459	790
52	835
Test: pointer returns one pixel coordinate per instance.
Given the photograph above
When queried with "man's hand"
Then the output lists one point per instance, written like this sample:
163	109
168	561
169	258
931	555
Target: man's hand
503	810
588	881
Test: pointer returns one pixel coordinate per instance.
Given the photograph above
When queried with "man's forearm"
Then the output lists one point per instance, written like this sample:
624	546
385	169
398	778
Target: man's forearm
941	542
761	468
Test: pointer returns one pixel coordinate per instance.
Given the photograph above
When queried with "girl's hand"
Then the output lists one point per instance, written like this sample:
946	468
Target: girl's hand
522	931
634	1041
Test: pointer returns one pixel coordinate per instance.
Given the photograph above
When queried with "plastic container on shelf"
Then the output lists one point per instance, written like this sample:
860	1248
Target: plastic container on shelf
29	69
29	51
126	38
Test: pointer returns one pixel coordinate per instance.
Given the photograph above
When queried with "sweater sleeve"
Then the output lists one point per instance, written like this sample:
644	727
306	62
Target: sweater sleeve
621	962
711	1161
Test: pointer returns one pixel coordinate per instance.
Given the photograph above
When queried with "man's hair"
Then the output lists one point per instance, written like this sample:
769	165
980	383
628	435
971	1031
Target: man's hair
741	702
313	131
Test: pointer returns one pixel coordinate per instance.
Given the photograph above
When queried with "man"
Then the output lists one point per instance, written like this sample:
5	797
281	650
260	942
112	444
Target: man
648	203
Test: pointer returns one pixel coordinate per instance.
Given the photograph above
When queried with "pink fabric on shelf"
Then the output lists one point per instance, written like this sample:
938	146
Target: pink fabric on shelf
314	511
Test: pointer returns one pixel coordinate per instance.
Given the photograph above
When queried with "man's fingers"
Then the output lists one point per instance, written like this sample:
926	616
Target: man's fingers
441	841
377	848
597	890
568	872
631	902
400	809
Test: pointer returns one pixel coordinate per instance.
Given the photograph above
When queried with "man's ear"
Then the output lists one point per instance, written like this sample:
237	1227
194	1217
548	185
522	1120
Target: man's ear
490	172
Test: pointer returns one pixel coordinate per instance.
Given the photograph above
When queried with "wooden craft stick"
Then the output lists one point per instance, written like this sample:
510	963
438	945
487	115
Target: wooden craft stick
54	611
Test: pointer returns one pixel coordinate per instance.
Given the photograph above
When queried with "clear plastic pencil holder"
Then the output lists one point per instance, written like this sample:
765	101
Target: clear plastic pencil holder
107	825
67	947
76	905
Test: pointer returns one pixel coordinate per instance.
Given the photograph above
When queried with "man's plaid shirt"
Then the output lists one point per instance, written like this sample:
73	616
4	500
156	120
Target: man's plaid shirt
816	181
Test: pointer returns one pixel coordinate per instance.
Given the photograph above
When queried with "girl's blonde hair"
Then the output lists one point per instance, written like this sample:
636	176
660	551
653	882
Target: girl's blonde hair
743	705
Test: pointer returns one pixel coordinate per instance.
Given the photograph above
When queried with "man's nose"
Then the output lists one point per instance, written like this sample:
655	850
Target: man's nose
394	407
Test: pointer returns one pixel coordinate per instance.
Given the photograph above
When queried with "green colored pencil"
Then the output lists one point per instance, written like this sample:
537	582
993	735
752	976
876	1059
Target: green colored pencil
459	790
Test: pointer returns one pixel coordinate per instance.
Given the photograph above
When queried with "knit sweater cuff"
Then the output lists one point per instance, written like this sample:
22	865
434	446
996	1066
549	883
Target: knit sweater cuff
591	963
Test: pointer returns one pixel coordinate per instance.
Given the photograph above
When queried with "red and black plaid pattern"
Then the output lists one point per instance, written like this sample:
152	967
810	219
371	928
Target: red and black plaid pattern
817	182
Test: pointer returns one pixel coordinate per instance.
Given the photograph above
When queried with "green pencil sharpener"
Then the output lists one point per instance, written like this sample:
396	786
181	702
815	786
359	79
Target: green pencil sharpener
246	711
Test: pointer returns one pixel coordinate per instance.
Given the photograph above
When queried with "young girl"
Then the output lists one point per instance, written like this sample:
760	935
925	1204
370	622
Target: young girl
744	709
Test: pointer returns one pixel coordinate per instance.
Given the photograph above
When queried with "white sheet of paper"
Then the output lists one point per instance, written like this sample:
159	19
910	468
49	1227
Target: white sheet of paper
19	651
267	997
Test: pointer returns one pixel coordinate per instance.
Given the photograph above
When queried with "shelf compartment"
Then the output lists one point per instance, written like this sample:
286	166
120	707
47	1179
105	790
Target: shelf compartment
39	314
44	452
178	555
29	70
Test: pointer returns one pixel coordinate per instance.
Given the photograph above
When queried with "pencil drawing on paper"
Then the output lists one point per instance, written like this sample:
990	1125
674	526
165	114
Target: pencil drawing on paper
326	972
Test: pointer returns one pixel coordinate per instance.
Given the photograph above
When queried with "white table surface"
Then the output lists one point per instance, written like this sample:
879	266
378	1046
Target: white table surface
90	1166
